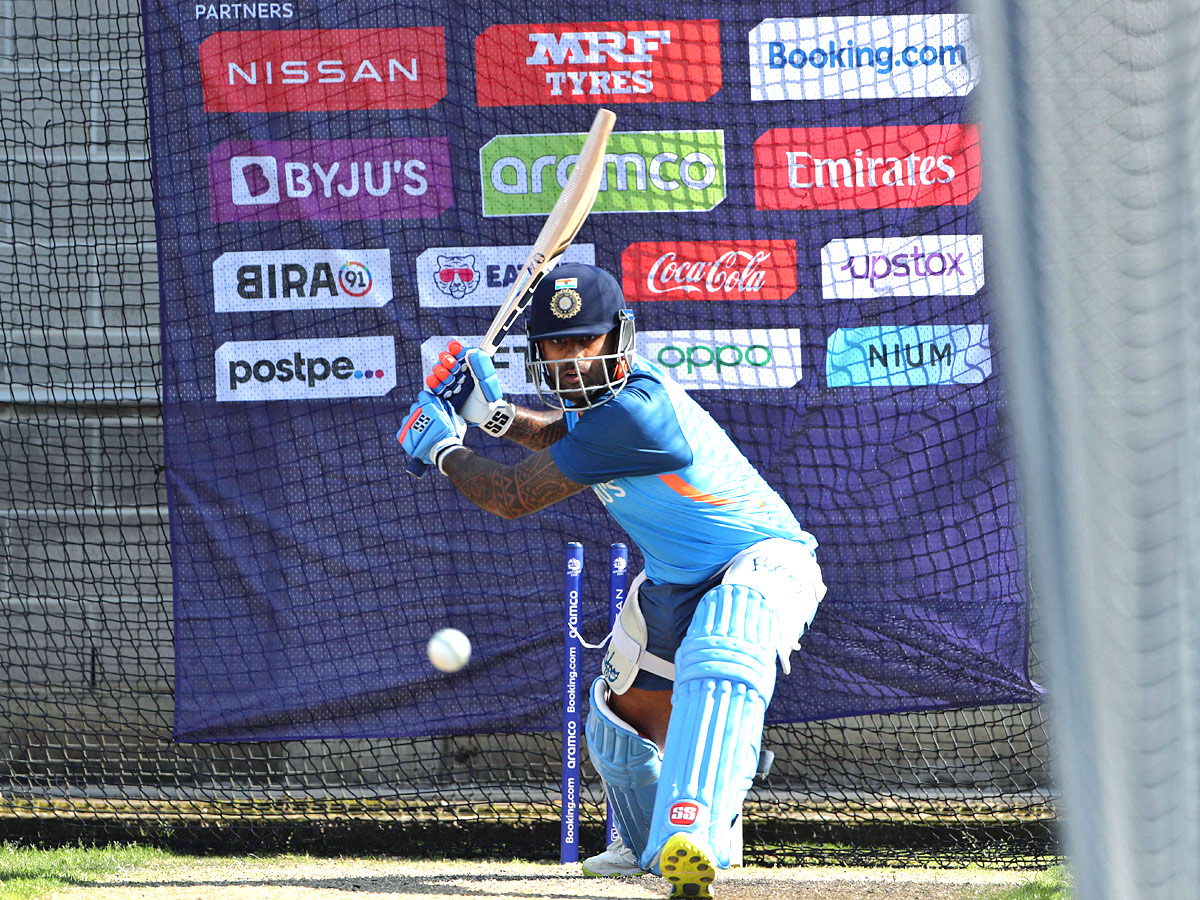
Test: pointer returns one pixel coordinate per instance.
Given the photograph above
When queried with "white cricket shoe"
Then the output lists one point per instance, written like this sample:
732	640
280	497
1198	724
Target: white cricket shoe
616	861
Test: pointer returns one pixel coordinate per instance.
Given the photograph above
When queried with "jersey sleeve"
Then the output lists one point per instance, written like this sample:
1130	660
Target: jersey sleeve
635	433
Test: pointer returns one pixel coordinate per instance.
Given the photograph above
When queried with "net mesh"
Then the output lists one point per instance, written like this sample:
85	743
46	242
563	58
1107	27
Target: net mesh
86	591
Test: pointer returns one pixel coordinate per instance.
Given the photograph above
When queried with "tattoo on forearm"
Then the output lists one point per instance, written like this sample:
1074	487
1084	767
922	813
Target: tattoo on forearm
537	429
510	491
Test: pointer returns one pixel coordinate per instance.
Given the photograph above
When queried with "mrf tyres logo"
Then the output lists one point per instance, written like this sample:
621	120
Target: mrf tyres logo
302	279
648	171
709	270
478	276
713	359
369	178
314	369
598	62
927	265
329	69
879	167
863	57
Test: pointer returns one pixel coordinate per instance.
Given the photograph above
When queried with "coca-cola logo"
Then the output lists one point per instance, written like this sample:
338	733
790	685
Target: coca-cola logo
712	270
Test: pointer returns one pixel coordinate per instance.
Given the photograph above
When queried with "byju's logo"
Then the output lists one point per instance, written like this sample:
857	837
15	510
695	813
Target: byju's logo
850	57
303	69
709	270
302	279
908	356
881	167
928	265
316	369
478	276
389	178
598	62
649	171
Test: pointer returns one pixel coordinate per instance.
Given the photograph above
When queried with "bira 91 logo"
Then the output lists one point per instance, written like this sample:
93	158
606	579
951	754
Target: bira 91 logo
684	813
314	369
881	167
368	178
302	279
644	171
598	62
310	70
709	270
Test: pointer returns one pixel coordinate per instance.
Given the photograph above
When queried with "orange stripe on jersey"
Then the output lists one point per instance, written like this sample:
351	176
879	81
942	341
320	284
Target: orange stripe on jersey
681	487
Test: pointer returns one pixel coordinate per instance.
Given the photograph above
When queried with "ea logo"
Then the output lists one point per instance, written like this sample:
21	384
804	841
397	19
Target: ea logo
685	812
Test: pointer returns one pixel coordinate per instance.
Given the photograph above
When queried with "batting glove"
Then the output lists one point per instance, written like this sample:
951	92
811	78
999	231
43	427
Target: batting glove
467	378
431	430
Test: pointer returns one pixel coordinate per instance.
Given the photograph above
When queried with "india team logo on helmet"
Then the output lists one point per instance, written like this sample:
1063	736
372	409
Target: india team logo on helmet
566	302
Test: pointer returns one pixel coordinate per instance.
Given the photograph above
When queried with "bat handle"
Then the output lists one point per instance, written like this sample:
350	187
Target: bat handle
416	468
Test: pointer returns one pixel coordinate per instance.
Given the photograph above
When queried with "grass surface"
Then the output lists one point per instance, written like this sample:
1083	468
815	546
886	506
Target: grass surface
1048	885
27	873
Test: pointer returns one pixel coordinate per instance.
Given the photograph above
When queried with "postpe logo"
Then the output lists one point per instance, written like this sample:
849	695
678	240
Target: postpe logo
478	276
302	279
387	178
598	62
314	369
328	69
901	356
709	270
651	171
873	57
926	265
880	167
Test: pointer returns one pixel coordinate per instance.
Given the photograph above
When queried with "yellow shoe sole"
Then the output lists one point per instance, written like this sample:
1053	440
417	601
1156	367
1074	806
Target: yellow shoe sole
688	866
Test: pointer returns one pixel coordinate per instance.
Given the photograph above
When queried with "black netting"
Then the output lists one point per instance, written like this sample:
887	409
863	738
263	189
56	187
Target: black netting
87	640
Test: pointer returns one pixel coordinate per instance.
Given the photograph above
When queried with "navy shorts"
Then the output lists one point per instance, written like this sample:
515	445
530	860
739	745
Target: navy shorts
668	609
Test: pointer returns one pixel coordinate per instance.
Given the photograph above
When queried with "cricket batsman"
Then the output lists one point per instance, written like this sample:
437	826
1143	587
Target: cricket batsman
731	580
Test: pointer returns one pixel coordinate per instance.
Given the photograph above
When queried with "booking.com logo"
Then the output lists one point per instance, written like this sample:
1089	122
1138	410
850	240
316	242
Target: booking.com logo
848	56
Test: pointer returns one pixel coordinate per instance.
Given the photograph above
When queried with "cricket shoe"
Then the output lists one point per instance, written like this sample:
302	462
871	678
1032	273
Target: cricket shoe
616	861
688	865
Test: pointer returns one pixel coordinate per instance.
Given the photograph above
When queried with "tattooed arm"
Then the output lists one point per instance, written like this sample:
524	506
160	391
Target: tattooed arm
509	491
536	429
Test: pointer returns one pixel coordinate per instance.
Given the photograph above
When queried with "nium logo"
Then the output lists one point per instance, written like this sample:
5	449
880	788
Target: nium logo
908	356
331	69
652	171
685	812
880	167
302	279
315	369
713	270
923	265
877	57
704	359
598	62
400	178
478	276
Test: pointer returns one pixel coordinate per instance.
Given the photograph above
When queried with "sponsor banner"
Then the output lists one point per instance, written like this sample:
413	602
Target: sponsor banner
927	265
648	171
367	178
880	167
309	70
908	356
302	279
863	57
709	270
598	63
707	359
478	276
305	369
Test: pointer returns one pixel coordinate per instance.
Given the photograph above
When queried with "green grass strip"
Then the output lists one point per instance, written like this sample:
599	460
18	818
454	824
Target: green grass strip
1048	885
27	873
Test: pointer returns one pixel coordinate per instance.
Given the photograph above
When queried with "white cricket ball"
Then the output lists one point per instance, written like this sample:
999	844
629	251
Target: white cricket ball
449	650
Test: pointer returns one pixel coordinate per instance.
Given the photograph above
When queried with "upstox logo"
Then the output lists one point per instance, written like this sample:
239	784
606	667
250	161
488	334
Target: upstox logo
302	279
852	57
649	171
314	369
899	356
926	265
705	359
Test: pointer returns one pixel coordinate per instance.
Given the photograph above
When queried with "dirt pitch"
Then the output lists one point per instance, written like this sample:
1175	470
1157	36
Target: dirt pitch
306	878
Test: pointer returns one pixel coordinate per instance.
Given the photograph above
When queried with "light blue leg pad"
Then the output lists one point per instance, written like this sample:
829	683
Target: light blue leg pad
724	678
629	765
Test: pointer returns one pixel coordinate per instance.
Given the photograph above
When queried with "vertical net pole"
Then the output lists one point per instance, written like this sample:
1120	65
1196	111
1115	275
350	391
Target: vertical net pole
572	651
